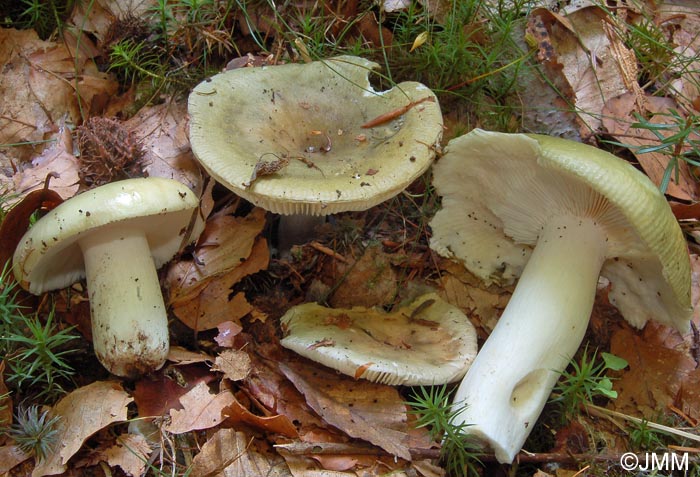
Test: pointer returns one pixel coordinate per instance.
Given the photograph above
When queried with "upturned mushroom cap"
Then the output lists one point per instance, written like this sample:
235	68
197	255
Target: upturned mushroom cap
48	257
425	343
498	190
312	111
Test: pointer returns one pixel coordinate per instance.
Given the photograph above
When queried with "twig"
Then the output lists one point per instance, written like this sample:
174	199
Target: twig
331	253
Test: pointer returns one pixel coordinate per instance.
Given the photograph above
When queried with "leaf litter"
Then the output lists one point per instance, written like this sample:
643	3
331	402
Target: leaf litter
229	396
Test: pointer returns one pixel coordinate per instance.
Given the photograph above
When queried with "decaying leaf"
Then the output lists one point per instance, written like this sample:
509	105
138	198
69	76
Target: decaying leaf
162	134
200	410
364	410
212	306
157	394
236	413
619	116
228	453
224	244
11	456
587	61
228	330
83	412
656	372
235	364
130	453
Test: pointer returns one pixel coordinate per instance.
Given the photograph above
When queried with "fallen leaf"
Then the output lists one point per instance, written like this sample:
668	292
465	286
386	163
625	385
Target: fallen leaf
10	457
200	410
162	132
364	410
82	413
278	424
58	160
160	392
228	453
369	281
130	453
16	220
588	64
224	245
656	372
181	356
235	364
618	118
212	305
228	330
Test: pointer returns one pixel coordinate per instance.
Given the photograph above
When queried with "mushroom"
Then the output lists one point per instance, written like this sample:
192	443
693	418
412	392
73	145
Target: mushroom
115	236
558	214
290	138
426	342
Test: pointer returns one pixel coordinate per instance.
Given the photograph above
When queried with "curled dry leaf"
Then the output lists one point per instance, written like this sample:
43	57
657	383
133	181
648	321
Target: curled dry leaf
82	413
200	410
364	410
586	61
618	116
130	453
228	453
212	306
162	134
236	413
235	364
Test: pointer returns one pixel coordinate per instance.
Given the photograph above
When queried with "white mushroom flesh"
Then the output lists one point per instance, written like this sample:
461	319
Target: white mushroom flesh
540	330
129	319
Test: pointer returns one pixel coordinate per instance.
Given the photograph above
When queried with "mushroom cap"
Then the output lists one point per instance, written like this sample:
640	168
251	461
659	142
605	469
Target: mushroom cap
49	257
427	342
245	116
499	189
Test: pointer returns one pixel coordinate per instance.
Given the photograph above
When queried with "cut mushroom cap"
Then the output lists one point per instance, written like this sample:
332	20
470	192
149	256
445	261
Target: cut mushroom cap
427	342
310	117
115	236
558	214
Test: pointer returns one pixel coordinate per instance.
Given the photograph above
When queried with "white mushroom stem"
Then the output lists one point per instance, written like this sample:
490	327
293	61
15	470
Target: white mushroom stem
129	319
539	332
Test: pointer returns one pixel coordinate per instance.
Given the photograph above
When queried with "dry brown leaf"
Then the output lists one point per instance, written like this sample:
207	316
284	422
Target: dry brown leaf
656	371
212	305
160	392
278	424
618	117
369	281
200	410
162	133
83	412
228	453
273	390
130	453
589	66
11	456
180	355
224	245
228	330
57	159
5	400
368	411
235	364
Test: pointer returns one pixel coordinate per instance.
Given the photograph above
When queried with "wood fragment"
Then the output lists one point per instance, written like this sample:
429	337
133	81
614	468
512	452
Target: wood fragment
331	253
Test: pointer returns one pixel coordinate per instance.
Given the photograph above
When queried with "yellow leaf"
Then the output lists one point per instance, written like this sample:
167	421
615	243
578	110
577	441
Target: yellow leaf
420	39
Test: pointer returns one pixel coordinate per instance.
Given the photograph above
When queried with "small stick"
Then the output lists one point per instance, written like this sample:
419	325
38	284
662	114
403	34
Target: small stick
391	115
331	253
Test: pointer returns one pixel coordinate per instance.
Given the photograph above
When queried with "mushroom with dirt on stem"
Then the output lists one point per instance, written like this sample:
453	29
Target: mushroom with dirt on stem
304	139
116	236
558	214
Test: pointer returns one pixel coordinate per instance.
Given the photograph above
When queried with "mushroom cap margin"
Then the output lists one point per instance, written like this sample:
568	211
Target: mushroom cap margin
661	251
48	256
362	342
243	116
